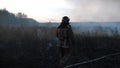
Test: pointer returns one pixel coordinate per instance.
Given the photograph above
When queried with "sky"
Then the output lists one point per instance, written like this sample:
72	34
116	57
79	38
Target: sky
77	10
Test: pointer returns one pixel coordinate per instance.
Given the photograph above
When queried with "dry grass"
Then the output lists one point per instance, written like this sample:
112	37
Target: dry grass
28	46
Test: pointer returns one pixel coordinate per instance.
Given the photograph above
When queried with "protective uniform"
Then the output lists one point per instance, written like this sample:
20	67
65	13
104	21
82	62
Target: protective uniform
65	37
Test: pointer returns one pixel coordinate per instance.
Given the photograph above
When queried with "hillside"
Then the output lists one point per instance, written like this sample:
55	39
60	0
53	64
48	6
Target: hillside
7	18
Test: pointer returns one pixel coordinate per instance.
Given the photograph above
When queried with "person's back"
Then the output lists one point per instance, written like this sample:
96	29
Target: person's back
65	38
64	34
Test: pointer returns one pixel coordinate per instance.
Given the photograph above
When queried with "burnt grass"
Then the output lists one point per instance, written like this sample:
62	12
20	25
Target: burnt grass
43	53
95	47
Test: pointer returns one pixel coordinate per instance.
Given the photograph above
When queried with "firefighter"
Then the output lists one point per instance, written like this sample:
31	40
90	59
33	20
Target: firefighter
65	37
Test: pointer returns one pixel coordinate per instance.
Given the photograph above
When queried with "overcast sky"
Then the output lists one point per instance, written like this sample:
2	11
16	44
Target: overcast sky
77	10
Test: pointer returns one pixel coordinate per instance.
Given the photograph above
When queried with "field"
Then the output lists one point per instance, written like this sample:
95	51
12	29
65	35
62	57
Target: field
35	47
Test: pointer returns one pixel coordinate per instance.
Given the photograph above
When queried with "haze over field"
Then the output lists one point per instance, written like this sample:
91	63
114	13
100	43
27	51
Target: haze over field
77	10
28	33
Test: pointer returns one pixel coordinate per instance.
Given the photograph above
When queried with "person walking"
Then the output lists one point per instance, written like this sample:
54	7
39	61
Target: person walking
65	37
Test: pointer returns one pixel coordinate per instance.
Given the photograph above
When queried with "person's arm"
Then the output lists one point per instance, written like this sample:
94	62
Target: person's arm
71	40
57	32
71	35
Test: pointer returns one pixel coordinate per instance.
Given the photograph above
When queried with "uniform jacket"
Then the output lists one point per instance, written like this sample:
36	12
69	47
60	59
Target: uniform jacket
65	36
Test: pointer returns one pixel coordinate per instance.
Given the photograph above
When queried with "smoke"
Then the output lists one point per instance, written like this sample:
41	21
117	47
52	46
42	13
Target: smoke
96	10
